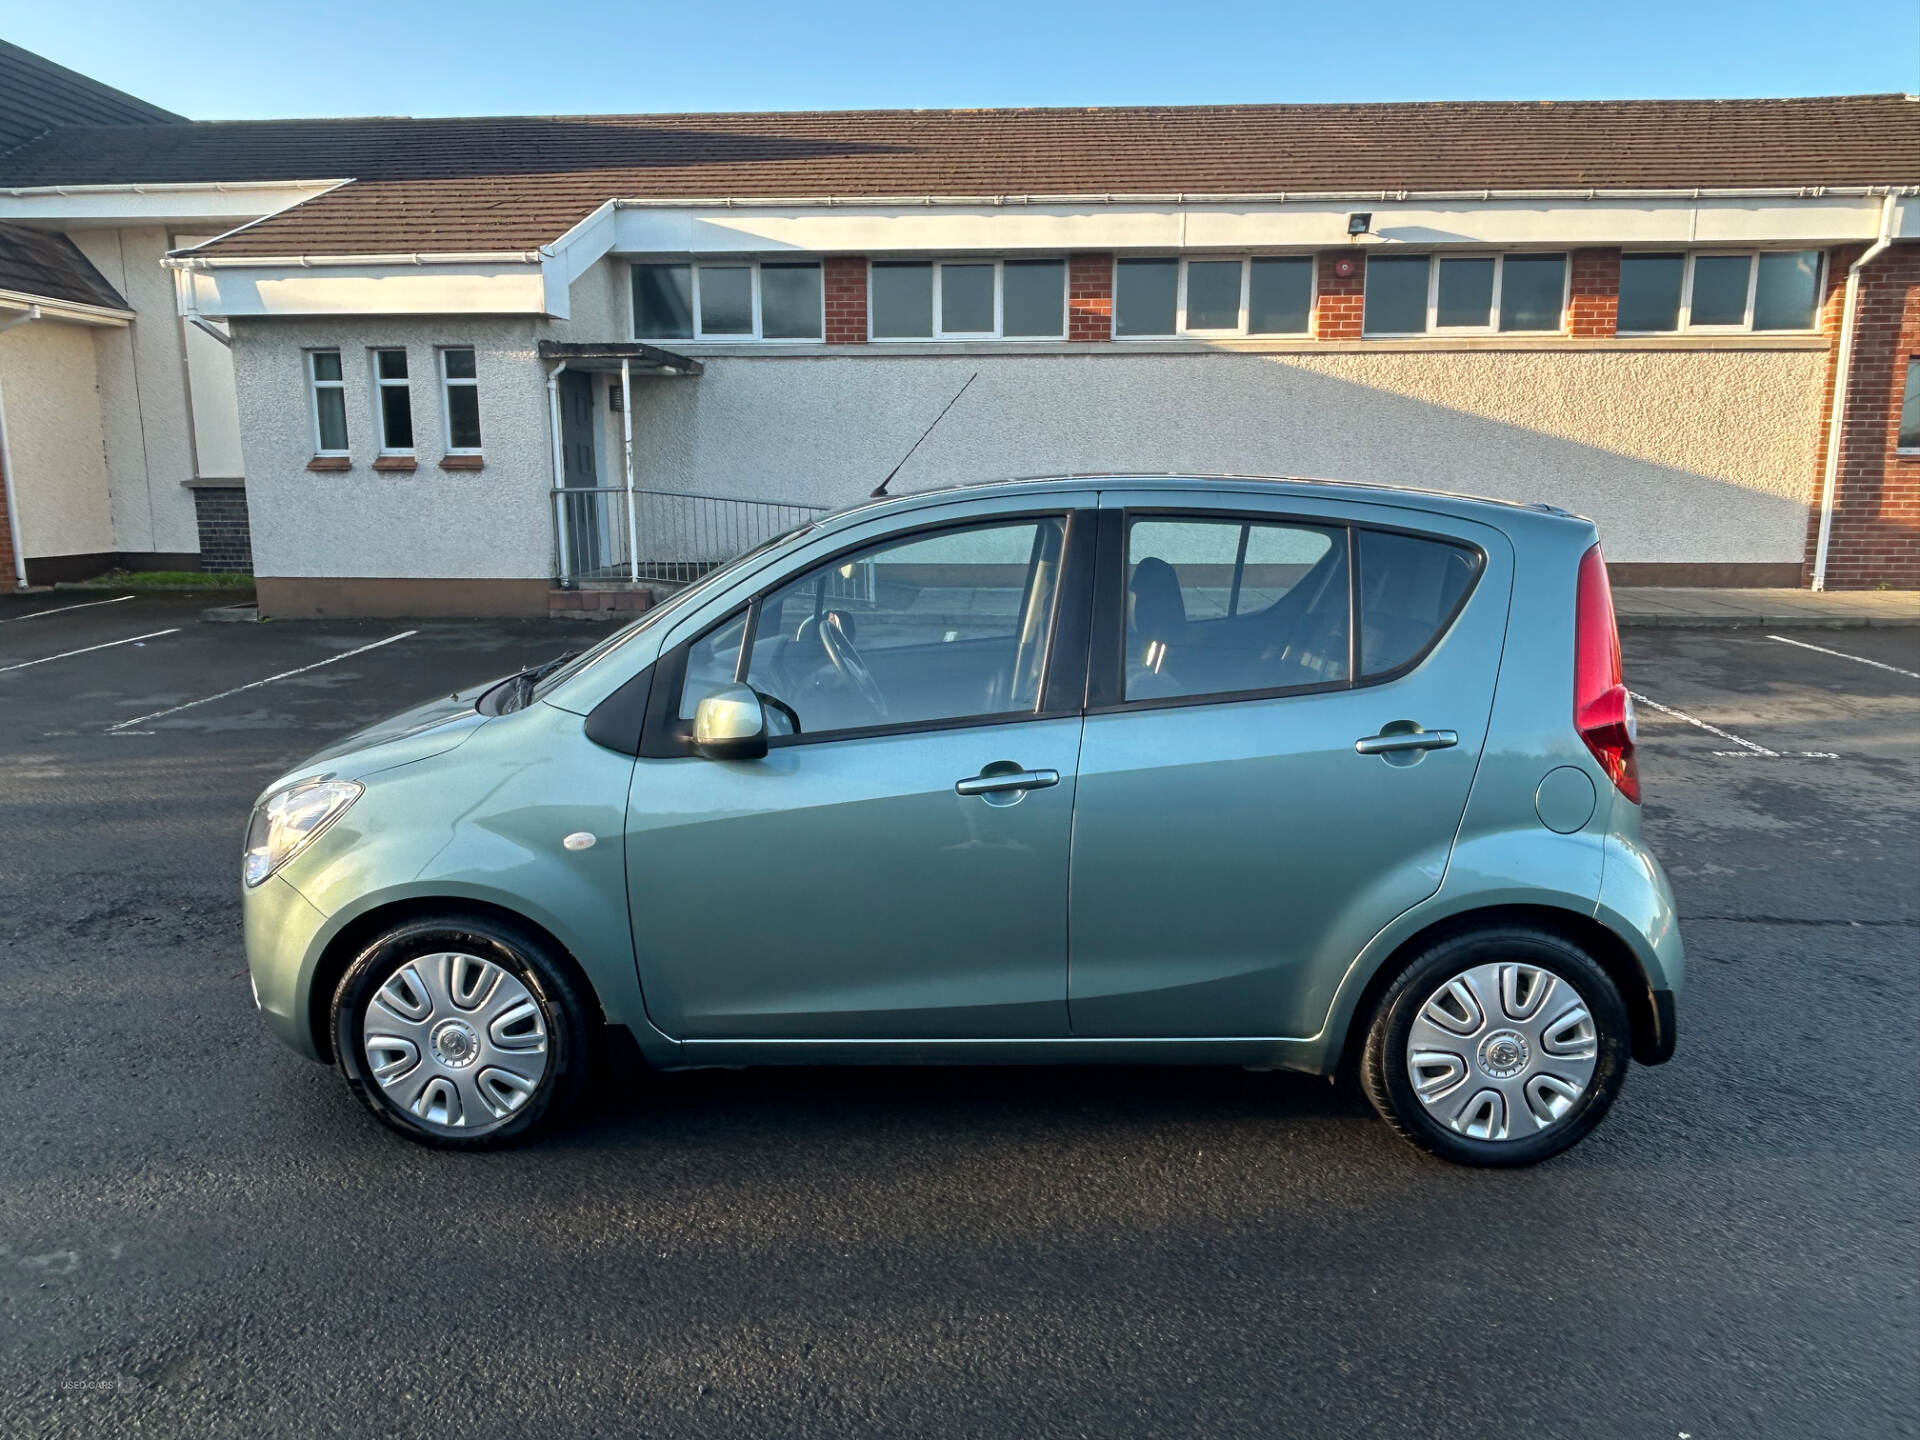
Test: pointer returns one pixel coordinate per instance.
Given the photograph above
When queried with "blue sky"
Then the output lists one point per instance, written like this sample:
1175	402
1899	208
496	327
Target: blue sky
226	59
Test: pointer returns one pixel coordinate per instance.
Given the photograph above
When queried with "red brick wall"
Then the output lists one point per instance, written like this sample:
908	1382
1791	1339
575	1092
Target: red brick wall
1338	300
1593	298
1876	519
845	280
1090	297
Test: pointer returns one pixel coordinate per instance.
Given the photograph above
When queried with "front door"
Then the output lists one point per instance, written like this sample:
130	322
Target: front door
1233	849
586	524
896	866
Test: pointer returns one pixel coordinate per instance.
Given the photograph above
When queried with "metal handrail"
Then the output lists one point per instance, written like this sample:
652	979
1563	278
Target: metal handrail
611	533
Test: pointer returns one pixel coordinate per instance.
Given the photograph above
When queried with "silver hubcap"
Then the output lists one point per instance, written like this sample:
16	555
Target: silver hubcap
456	1041
1501	1052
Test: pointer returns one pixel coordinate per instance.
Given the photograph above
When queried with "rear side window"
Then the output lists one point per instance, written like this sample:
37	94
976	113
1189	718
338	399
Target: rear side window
1221	606
1410	587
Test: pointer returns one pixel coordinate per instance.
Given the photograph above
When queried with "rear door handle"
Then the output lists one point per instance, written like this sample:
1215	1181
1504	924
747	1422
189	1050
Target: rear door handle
1010	780
1393	742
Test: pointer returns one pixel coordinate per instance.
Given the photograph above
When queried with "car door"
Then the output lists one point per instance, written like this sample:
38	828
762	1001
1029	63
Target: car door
896	866
1264	783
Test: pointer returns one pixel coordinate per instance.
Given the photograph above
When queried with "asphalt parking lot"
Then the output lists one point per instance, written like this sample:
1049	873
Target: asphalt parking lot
202	1233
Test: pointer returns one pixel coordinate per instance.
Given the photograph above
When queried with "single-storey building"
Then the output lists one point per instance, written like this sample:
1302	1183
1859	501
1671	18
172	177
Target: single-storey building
496	365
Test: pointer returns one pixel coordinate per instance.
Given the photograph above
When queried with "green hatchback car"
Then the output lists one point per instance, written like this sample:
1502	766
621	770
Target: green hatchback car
1125	769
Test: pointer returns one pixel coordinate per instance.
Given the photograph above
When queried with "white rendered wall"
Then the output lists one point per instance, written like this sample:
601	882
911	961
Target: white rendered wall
59	474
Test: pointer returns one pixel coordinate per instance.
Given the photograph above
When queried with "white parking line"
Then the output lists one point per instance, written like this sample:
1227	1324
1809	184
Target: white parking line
86	649
1841	654
1747	747
61	609
123	726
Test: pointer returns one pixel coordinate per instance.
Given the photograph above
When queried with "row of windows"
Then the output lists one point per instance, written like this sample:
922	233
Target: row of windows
1519	293
393	401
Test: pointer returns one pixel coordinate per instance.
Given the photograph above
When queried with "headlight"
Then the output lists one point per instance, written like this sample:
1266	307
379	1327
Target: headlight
286	820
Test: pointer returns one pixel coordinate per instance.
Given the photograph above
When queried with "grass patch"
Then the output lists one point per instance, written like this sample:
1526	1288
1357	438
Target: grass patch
165	580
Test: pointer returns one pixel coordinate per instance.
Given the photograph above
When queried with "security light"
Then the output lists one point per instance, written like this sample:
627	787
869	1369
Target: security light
1360	222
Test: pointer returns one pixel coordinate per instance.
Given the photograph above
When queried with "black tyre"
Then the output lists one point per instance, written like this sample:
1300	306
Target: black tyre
463	1032
1497	1047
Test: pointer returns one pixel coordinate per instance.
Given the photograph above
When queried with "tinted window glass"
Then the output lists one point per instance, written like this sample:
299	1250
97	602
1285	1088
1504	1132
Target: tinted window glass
326	364
1465	292
1280	295
966	299
1784	295
711	663
726	300
1145	294
1720	289
1396	301
463	417
1910	409
663	302
1650	292
928	628
1532	288
902	297
790	302
1218	606
1408	589
1213	294
1035	297
332	404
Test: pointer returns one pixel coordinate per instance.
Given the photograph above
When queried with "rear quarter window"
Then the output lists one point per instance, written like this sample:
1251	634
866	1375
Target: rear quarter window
1410	588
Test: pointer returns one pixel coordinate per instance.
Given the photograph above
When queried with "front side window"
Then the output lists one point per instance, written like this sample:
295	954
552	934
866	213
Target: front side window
329	389
1228	605
1265	295
932	628
1671	292
728	300
967	299
460	396
393	402
1419	294
1910	408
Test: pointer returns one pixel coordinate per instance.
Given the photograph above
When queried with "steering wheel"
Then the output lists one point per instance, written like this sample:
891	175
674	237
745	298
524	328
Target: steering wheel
846	660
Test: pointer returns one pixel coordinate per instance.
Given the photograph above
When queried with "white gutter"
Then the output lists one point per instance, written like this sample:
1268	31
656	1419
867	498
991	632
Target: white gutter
31	314
191	261
1270	197
64	309
168	188
1843	372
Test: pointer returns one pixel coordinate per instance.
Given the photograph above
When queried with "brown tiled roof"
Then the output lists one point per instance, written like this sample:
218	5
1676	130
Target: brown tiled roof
36	95
49	266
513	184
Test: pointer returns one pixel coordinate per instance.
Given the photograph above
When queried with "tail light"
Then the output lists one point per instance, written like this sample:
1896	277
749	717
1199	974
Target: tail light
1602	706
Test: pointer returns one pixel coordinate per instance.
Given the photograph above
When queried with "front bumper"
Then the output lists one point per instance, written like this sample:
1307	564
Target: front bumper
282	936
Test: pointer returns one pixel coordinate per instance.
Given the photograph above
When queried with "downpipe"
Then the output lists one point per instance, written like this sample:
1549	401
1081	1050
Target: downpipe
1843	374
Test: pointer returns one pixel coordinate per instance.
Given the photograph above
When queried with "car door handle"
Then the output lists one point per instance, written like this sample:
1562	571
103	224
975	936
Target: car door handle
1010	780
1393	742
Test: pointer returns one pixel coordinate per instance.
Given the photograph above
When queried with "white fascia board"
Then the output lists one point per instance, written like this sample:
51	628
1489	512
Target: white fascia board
227	291
93	206
69	310
931	227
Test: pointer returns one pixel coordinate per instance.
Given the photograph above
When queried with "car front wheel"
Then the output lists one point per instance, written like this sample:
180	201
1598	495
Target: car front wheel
461	1032
1497	1047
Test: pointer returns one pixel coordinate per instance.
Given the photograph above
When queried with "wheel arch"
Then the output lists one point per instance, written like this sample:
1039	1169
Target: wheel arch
358	933
1651	1038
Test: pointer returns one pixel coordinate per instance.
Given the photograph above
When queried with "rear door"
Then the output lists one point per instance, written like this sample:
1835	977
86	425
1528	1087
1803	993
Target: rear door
1286	706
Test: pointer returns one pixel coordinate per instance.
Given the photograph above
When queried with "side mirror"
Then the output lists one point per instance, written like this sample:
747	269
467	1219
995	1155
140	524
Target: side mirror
730	724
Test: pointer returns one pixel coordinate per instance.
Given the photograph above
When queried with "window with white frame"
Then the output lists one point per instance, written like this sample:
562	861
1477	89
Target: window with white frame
329	388
728	300
393	402
1465	294
1669	292
967	299
1212	296
460	400
1909	440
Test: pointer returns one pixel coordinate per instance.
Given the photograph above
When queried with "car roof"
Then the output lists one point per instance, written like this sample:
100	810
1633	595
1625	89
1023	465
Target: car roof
1441	501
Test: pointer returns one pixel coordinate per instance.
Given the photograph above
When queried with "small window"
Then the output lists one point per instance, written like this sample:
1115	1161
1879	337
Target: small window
1464	298
1650	291
726	301
1786	290
1910	408
329	402
733	300
1280	295
1146	297
1034	298
460	391
663	302
790	302
925	629
1222	606
966	300
900	300
393	402
1533	292
1396	300
1720	284
1409	588
1213	295
1416	294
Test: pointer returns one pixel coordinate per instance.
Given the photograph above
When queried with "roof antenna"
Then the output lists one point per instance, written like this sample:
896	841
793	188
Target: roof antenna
881	489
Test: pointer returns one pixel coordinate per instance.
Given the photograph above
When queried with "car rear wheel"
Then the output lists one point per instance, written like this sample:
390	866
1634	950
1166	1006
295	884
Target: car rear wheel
1497	1047
461	1032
